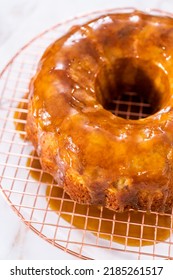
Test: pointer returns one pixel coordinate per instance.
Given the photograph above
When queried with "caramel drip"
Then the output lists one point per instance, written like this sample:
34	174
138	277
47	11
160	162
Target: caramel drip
131	228
70	99
79	76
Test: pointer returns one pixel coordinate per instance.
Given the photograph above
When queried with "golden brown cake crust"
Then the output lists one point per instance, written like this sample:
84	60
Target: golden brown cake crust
97	157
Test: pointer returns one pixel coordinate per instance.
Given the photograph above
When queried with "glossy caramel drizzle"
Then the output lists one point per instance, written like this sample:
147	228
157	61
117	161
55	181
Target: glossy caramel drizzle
140	227
120	162
130	228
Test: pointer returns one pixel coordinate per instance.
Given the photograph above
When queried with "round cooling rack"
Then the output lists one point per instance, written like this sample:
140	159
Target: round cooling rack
84	231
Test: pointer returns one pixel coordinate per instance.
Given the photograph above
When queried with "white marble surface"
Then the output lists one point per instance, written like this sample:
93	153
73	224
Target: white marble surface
20	21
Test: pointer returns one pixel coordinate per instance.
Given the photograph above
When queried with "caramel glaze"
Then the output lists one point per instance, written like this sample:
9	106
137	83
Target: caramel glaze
131	227
97	157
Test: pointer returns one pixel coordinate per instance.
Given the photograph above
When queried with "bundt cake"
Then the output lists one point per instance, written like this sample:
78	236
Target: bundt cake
96	156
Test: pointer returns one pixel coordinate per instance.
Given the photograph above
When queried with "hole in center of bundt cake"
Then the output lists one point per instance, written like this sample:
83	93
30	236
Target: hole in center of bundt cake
138	88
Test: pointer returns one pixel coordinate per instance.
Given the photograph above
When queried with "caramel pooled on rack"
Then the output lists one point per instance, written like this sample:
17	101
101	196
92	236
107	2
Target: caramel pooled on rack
97	157
140	226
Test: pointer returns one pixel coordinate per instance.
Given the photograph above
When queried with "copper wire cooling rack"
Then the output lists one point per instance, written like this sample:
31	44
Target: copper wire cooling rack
27	195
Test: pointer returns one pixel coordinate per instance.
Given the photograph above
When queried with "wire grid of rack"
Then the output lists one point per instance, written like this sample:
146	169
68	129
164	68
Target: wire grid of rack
28	196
